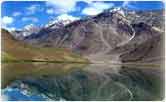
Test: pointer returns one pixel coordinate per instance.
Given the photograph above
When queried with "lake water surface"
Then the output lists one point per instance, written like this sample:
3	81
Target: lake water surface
64	81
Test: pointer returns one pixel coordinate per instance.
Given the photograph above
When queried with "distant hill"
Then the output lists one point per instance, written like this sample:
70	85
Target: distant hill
14	50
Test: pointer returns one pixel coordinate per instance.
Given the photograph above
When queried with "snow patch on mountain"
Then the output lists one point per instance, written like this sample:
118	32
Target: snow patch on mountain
30	29
62	20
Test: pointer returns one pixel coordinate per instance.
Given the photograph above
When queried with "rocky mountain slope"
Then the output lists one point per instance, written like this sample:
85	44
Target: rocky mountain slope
26	31
14	50
150	17
111	36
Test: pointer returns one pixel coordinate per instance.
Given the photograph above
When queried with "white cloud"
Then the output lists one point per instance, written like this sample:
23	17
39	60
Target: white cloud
33	19
6	20
125	3
102	5
87	1
15	14
91	11
129	4
12	28
9	28
50	11
64	17
33	8
96	8
62	6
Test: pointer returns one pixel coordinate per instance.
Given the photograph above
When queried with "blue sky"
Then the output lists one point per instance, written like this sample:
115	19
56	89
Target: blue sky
20	14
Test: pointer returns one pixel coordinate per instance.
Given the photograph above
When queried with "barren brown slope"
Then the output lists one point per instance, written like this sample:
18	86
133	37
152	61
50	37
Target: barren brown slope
21	51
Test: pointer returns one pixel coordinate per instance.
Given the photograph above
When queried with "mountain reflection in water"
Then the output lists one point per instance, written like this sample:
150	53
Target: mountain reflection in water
50	81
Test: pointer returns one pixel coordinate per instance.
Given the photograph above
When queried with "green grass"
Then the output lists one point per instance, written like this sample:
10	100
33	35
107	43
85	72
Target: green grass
7	57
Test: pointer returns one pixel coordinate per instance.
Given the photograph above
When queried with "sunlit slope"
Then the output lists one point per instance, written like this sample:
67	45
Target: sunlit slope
13	49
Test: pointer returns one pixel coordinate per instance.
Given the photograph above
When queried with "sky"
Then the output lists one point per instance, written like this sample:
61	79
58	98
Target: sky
22	14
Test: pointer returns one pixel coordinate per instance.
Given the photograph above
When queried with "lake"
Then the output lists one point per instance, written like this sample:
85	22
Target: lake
71	81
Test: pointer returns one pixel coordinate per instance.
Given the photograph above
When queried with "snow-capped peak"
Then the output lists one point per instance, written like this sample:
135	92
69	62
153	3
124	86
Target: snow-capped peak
119	10
63	19
29	29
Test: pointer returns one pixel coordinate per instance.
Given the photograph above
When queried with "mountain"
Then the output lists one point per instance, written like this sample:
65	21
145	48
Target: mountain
14	50
26	31
53	24
151	17
117	35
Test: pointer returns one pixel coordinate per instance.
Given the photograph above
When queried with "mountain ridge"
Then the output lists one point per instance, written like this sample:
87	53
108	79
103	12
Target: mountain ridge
109	36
